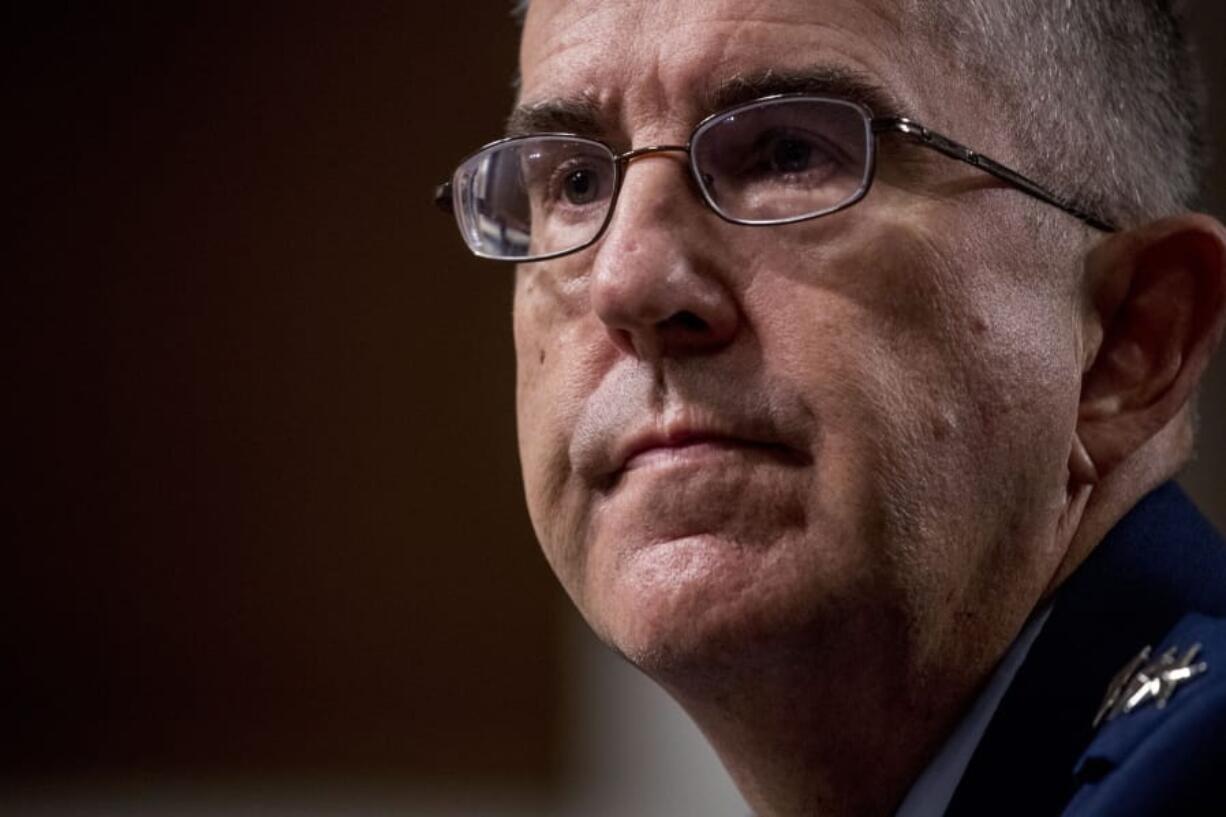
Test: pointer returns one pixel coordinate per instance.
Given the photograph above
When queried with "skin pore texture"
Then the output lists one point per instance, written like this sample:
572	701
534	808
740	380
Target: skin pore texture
814	478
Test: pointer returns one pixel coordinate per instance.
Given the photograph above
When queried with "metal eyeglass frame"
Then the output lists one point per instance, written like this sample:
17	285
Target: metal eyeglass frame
914	131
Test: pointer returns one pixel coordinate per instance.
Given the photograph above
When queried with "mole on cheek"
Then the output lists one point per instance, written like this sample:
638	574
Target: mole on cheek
541	356
942	428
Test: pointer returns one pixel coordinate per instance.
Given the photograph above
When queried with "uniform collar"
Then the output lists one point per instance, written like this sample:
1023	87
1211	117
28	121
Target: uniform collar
934	788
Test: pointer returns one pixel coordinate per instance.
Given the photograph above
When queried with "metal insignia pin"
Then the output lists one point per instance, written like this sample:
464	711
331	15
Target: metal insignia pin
1143	681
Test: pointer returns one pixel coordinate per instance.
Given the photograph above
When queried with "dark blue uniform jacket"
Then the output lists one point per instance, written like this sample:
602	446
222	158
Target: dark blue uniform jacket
1159	580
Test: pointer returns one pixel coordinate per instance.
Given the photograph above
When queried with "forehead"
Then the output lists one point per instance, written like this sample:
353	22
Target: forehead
656	61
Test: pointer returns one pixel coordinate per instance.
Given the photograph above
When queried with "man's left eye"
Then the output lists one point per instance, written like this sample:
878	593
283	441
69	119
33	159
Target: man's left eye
790	155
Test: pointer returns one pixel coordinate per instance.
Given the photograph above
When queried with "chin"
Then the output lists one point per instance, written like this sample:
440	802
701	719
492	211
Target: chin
703	605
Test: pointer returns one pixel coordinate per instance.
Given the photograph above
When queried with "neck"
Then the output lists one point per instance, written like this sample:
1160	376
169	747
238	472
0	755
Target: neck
826	731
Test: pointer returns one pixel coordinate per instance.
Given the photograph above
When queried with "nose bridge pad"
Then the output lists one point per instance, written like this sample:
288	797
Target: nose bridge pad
638	153
630	156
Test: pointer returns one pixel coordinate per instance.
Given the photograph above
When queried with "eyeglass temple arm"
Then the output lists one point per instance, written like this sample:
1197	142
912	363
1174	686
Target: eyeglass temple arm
442	198
954	150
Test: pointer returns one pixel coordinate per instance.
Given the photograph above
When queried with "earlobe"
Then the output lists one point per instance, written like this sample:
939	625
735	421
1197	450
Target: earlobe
1157	301
1081	468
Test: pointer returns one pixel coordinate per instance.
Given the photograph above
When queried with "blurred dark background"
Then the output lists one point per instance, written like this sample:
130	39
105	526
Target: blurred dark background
263	507
265	510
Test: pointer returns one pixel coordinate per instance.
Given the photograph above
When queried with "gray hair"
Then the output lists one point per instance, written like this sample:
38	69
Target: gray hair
1104	98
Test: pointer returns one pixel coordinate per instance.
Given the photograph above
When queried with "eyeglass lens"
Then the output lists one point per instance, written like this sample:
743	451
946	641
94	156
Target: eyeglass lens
768	162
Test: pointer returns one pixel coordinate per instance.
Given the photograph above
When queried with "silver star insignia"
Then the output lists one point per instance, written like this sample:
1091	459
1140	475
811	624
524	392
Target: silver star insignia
1142	681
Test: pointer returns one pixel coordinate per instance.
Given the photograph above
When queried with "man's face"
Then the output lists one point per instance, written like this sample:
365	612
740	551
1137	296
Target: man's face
856	427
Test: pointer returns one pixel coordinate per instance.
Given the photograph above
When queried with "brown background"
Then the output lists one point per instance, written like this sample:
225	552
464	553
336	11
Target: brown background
267	506
263	508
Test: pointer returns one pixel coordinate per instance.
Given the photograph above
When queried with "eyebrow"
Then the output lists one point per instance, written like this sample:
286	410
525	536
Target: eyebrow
820	80
582	114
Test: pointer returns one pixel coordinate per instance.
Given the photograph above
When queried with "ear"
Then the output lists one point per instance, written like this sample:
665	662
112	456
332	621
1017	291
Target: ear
1157	305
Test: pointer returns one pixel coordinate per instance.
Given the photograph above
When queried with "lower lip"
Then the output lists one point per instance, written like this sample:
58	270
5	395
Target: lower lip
699	452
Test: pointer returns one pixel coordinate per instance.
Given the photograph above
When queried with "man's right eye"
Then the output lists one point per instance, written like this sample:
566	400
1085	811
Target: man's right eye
578	183
581	186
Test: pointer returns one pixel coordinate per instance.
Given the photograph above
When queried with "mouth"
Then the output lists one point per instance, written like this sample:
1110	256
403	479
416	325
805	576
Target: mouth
698	447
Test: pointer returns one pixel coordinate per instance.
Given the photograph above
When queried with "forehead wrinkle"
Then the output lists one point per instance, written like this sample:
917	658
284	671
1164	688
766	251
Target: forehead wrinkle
670	80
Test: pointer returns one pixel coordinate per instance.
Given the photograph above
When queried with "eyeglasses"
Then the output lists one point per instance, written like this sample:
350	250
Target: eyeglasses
777	160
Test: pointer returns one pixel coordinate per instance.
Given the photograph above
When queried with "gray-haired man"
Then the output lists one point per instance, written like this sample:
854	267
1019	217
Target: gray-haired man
847	335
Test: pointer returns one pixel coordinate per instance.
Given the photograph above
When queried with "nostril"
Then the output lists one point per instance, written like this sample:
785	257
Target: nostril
686	321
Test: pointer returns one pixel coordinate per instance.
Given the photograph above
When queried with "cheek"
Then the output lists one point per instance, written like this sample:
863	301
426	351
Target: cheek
537	373
550	330
558	360
946	396
947	348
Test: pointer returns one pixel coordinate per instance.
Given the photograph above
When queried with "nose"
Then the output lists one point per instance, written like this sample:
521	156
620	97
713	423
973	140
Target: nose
656	280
